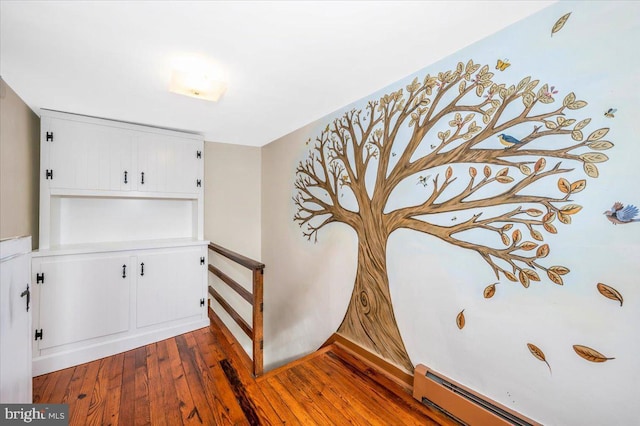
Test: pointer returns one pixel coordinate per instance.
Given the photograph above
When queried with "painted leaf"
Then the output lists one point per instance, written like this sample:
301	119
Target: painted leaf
460	321
550	124
505	239
527	99
503	172
561	121
550	228
564	218
487	171
560	23
463	85
553	276
510	276
534	212
525	170
549	217
543	250
540	164
610	292
569	99
528	246
600	145
507	227
489	291
560	270
472	172
577	135
564	185
448	173
524	279
536	352
578	185
594	157
536	235
582	124
516	236
591	170
590	354
504	179
577	105
533	275
598	134
571	209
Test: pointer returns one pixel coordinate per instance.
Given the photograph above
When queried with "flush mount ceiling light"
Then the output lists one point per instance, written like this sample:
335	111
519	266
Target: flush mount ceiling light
197	77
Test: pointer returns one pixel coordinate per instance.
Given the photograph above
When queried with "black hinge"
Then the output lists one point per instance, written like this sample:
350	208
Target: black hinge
202	260
201	302
48	174
38	334
199	154
261	307
198	183
49	137
261	344
40	278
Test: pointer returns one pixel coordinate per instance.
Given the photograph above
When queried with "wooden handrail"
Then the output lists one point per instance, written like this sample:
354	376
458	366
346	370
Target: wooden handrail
255	298
236	257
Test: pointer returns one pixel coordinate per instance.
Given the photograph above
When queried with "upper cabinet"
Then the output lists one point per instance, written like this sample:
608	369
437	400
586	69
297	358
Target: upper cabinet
88	154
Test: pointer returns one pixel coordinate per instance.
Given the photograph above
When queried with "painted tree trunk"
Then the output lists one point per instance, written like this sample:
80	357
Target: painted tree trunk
369	320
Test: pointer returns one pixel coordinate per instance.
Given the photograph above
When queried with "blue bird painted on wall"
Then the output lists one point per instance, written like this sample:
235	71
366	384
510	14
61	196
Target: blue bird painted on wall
508	141
621	214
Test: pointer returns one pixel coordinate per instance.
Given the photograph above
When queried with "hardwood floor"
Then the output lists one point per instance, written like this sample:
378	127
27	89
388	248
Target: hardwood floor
202	378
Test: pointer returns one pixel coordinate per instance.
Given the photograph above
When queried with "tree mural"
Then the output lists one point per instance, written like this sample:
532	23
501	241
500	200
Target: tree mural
433	130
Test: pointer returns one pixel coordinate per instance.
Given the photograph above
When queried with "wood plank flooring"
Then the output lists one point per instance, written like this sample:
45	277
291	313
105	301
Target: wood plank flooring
201	378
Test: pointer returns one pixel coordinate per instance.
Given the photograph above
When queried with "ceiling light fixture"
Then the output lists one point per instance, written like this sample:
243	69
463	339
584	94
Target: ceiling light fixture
197	77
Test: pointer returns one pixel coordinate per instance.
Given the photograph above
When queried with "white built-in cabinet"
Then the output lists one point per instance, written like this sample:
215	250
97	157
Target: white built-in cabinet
121	261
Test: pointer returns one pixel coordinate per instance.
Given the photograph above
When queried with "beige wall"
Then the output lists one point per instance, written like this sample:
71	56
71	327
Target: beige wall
19	165
232	209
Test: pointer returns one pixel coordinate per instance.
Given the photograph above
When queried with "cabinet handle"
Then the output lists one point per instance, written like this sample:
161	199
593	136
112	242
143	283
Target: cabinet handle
142	178
125	177
124	271
28	294
142	269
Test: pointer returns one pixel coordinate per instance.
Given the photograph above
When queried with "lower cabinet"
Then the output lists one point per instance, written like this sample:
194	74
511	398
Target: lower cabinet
91	305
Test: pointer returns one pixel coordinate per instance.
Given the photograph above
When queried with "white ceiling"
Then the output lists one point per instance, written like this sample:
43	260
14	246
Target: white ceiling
289	62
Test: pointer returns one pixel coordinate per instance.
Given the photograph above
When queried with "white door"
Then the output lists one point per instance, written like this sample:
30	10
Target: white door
170	285
87	156
184	167
15	321
82	297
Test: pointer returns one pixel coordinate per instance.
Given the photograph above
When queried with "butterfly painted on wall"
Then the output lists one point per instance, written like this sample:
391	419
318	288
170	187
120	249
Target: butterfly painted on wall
502	65
610	112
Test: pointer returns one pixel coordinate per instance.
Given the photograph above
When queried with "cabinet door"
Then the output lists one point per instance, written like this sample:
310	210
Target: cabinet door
168	163
82	297
15	328
88	156
170	285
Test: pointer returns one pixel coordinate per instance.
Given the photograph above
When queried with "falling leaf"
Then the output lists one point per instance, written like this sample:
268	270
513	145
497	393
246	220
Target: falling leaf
460	320
571	209
472	172
609	292
553	276
510	276
560	23
591	170
540	165
487	171
543	250
578	185
564	186
489	291
590	354
535	351
598	134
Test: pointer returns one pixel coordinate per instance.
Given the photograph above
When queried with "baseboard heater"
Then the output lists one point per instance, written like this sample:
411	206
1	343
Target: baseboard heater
460	403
